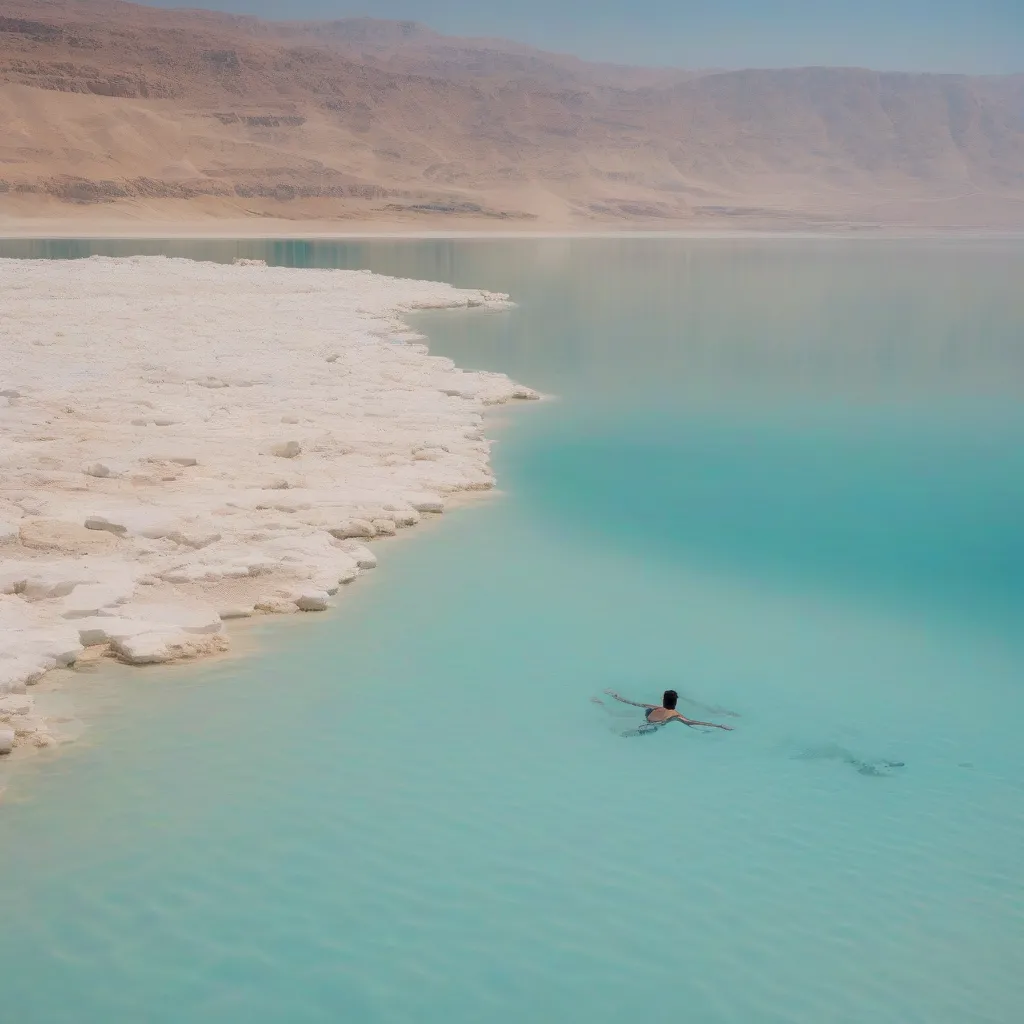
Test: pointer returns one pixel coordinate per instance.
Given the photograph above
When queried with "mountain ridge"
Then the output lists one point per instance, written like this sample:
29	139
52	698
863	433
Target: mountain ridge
112	105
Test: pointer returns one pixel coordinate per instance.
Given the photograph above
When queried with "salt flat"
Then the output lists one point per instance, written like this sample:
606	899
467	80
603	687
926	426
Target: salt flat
184	443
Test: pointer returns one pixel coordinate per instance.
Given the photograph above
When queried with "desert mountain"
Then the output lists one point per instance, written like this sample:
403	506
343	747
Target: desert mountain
111	104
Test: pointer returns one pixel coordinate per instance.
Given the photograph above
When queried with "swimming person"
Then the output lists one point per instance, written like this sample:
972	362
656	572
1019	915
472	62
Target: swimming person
657	715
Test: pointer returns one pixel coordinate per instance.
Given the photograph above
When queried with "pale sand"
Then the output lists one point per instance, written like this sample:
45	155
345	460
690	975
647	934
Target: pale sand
186	443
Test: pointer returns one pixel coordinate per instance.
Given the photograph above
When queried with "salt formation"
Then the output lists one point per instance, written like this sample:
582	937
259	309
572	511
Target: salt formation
187	443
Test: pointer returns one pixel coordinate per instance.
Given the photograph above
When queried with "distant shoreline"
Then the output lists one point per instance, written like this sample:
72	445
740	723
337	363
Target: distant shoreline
256	229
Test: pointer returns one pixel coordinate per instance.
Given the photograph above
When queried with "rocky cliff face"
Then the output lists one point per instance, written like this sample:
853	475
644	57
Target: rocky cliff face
105	102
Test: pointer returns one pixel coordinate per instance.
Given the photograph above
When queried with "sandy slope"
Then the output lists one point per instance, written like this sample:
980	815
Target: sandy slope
135	112
183	443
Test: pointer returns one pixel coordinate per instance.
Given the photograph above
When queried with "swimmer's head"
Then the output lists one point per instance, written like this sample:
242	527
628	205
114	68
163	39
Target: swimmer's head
669	700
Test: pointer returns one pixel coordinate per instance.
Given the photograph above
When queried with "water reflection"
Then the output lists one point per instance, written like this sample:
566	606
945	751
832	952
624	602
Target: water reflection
687	321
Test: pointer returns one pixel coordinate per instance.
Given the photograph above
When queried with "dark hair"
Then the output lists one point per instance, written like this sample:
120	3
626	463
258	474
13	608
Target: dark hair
669	700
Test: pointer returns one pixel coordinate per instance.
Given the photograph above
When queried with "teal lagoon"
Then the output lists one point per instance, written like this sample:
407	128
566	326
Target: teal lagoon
785	478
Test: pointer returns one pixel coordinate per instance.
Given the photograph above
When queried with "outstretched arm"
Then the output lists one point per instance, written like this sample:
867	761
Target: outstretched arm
612	693
710	725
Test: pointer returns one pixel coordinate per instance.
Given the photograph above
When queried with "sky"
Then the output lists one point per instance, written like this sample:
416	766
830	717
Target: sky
971	36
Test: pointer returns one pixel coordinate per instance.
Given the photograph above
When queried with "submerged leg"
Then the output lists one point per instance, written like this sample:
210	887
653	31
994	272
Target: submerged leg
641	730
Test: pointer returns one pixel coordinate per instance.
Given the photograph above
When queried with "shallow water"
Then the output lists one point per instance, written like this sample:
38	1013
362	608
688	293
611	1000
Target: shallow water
785	478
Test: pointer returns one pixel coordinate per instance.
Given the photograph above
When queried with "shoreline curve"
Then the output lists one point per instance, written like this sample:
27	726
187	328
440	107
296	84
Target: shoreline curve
185	443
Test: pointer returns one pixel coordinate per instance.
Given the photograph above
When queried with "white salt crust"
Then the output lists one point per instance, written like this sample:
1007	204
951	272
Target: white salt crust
185	443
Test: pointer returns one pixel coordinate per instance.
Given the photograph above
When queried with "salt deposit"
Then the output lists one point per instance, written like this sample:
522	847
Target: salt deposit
186	443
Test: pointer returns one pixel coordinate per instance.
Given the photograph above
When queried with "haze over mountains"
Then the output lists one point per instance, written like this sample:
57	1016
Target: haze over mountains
127	110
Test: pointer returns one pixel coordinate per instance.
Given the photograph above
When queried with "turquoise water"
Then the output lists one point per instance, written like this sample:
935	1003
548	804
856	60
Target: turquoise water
786	478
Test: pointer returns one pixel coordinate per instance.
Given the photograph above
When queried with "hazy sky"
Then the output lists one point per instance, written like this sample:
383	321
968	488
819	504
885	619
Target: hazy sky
976	36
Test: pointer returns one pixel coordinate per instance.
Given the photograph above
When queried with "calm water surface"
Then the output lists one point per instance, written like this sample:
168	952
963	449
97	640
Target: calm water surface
786	478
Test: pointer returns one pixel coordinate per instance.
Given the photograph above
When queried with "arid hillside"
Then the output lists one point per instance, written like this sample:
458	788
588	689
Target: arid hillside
114	107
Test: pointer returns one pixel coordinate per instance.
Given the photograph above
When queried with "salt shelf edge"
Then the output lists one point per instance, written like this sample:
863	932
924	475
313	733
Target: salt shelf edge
186	443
